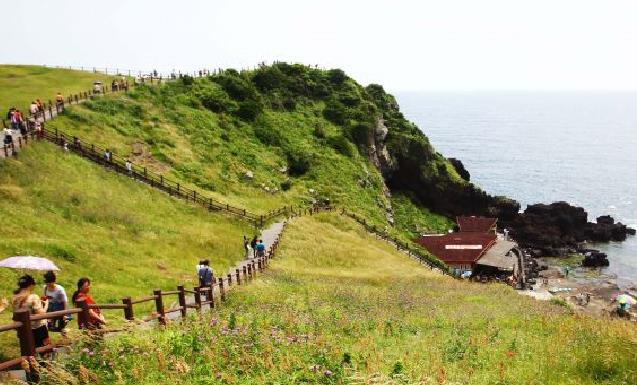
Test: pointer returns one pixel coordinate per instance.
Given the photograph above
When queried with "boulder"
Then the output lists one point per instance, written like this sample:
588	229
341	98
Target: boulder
595	259
605	220
249	175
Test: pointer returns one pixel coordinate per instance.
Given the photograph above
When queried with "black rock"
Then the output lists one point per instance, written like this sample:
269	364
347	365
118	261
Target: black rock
630	230
605	220
595	259
457	164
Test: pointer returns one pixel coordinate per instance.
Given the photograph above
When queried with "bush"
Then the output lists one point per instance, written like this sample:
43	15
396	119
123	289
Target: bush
249	110
319	131
341	145
335	112
268	136
286	185
336	76
360	133
215	99
187	80
238	88
299	161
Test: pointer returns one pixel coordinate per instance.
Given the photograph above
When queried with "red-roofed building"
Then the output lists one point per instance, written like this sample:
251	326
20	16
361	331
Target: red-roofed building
458	250
477	224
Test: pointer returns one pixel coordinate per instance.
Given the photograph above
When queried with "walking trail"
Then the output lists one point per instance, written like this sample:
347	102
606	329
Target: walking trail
269	236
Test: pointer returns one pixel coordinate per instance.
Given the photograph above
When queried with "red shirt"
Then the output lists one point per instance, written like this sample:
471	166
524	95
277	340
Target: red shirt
89	301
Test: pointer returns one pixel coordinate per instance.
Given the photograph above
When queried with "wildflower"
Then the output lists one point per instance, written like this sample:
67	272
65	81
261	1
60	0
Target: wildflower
111	364
86	350
91	354
315	367
218	375
328	373
213	322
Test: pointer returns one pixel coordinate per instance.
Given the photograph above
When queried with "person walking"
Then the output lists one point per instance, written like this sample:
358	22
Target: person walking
24	299
33	108
56	295
253	245
246	247
95	319
260	249
206	276
59	99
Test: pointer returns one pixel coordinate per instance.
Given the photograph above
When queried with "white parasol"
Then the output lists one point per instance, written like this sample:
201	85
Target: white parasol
28	262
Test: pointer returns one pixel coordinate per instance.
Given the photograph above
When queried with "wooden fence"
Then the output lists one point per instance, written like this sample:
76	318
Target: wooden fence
201	296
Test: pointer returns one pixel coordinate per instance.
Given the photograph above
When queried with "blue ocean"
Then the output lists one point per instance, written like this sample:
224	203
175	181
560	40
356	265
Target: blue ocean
578	147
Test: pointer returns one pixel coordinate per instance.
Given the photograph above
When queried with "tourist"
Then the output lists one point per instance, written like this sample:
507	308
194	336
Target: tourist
95	319
260	249
129	166
21	124
33	108
40	105
56	295
206	275
10	113
24	299
108	155
253	245
114	85
16	119
246	247
8	137
59	99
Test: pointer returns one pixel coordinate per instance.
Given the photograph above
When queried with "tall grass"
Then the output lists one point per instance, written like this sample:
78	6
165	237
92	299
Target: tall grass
125	236
339	307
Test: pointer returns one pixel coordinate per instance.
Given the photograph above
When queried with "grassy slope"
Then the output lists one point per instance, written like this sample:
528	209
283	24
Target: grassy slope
339	299
213	152
21	84
125	236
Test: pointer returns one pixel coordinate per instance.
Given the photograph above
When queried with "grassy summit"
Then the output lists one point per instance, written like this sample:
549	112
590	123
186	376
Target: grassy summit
22	84
338	300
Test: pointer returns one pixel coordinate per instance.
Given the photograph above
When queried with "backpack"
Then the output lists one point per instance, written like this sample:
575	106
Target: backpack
205	276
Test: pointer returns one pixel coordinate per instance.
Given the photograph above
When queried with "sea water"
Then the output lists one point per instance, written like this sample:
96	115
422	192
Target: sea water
541	147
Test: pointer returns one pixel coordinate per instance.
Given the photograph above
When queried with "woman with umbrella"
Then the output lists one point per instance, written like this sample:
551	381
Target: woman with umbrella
24	299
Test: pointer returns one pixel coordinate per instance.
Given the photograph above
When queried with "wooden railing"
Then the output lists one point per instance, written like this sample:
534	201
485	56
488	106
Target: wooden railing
202	297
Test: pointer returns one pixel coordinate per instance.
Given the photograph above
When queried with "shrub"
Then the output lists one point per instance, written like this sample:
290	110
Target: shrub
335	112
360	133
336	76
299	161
286	185
215	99
341	145
187	80
238	88
268	136
319	131
249	110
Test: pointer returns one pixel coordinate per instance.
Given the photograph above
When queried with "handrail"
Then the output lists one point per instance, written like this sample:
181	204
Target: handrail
12	326
54	314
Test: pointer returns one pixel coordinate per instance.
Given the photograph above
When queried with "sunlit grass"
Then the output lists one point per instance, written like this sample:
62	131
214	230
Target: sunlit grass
341	307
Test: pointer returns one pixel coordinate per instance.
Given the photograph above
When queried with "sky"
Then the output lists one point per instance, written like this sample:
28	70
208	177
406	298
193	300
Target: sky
403	45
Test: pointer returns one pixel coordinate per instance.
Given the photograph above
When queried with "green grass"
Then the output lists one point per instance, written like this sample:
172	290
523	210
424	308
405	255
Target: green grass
22	84
128	238
338	300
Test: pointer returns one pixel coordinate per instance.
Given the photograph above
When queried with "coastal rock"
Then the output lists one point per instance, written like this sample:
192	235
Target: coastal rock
557	227
459	167
595	259
630	231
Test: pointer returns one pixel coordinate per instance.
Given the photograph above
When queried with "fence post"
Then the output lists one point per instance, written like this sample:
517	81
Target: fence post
222	292
161	180
128	310
245	273
159	305
198	298
238	272
178	193
182	300
27	342
194	196
229	279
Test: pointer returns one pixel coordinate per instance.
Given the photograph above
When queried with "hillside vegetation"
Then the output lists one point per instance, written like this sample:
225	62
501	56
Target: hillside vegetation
122	234
22	84
339	307
304	134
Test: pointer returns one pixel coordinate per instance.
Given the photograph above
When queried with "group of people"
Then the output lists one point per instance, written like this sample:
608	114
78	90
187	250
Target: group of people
254	248
19	125
53	299
119	85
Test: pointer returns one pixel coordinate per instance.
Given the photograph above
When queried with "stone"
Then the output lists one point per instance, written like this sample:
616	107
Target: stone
249	175
311	190
595	259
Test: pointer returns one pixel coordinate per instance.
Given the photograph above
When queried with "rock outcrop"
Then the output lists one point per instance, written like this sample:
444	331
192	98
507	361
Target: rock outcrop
558	226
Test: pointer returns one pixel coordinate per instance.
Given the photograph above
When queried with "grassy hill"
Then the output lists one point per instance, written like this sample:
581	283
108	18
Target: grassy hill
21	84
122	234
339	300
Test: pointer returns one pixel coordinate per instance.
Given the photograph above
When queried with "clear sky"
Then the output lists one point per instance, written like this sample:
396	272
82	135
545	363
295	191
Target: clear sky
404	45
